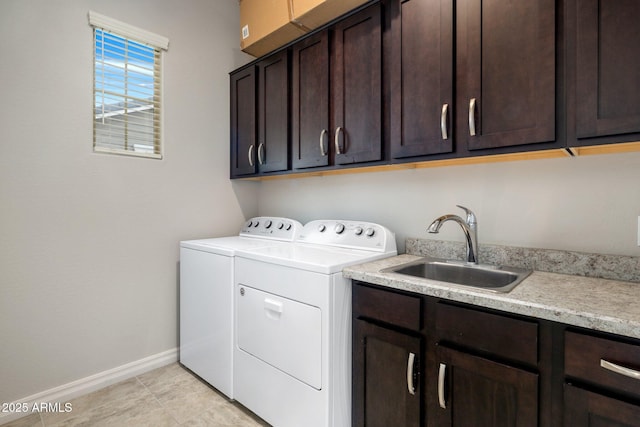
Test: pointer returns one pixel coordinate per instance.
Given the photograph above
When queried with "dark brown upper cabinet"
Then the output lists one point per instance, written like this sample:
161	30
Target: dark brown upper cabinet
414	80
243	122
505	73
272	153
421	70
310	102
357	88
604	50
337	93
260	117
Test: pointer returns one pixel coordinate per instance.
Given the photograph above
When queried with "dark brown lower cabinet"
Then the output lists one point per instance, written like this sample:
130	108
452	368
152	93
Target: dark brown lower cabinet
584	408
386	373
425	361
473	391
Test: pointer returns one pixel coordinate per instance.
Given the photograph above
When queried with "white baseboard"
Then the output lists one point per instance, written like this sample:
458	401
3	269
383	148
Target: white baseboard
86	385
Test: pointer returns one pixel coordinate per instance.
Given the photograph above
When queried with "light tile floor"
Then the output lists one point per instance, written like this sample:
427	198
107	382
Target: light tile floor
168	396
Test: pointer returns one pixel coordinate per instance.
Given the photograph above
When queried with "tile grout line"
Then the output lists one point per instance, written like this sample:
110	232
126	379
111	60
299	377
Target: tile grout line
157	400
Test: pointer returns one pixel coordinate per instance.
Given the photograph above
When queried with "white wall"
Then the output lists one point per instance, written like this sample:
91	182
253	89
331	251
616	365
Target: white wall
589	203
89	242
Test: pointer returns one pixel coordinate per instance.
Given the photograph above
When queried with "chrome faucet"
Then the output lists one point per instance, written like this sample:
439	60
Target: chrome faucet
469	227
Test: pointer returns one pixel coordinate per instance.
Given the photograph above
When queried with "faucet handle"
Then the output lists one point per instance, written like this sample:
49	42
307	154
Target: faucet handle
471	217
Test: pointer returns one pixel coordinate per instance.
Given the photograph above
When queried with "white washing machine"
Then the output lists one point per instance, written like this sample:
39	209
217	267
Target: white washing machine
293	323
206	296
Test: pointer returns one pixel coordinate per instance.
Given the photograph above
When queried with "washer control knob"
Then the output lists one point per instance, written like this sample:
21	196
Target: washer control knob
280	225
288	227
322	228
370	232
358	231
256	224
339	228
268	224
250	223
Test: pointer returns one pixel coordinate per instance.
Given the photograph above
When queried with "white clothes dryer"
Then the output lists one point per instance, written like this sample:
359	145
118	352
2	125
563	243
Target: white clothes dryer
293	323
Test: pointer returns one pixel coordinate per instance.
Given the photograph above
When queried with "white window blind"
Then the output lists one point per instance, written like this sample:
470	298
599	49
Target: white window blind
127	88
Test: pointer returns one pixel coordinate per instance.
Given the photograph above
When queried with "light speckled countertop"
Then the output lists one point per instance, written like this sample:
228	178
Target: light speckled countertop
600	304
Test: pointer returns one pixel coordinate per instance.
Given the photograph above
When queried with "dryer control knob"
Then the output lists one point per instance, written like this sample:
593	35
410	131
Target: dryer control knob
322	228
370	232
257	223
268	224
339	228
280	226
358	231
289	227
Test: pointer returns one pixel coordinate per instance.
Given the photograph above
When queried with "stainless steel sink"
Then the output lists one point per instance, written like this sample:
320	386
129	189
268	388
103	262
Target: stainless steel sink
488	277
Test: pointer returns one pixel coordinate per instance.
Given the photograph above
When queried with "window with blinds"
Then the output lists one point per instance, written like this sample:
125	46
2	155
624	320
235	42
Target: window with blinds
127	89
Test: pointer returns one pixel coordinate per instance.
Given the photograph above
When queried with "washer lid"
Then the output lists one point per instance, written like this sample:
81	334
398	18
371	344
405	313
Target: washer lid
228	246
317	258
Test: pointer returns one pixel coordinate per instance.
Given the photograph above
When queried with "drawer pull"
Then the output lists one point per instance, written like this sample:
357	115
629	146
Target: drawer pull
410	386
627	372
441	374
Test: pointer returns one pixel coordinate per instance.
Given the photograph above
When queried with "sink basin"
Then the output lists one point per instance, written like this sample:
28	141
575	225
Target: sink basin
488	277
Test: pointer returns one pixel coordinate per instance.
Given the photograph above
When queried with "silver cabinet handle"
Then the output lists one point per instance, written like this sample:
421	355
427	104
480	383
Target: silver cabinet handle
322	134
627	372
441	374
250	155
410	387
472	117
443	121
335	140
260	150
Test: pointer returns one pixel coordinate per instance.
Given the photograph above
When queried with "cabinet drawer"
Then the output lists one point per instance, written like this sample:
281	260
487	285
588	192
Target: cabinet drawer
585	356
503	336
389	307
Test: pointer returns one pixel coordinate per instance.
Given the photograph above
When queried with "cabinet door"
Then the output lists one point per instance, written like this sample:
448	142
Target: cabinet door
310	115
505	76
357	88
479	392
421	77
243	122
387	388
584	408
607	68
273	111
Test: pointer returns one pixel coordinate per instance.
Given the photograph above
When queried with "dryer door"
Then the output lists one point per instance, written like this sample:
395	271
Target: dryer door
284	333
